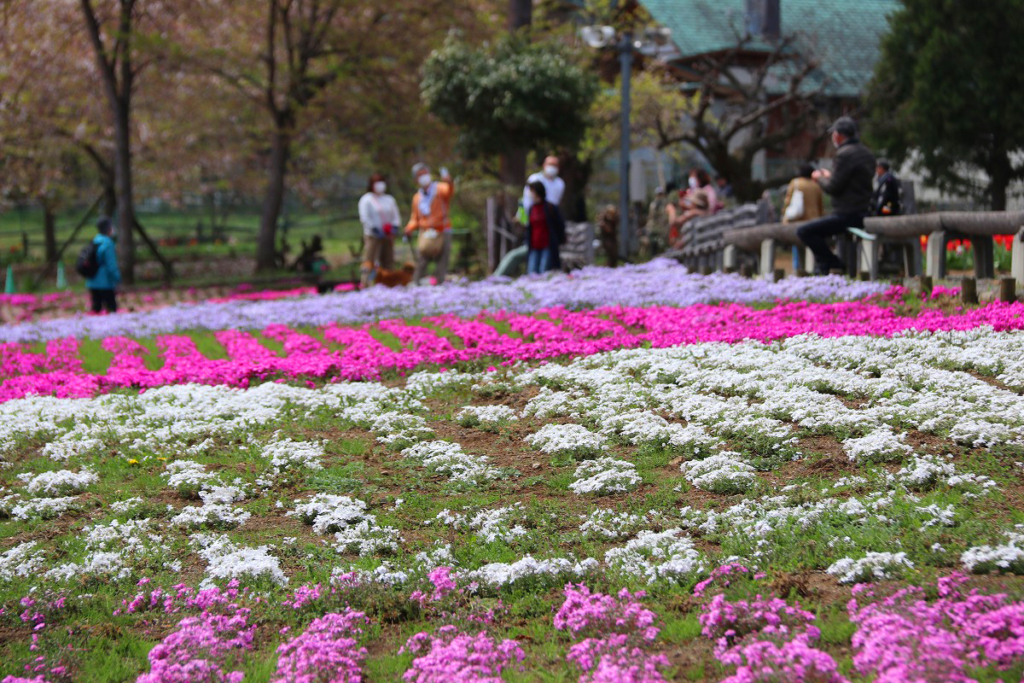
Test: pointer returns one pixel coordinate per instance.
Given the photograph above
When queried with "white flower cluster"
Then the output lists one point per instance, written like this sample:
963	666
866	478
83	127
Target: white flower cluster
567	439
398	430
355	529
872	567
652	555
490	525
285	454
213	515
448	458
109	549
610	524
499	574
722	473
22	560
488	417
881	445
1005	557
604	476
38	508
226	561
188	477
59	483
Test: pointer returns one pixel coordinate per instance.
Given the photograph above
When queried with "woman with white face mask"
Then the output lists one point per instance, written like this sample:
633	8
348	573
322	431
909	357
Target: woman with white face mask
378	212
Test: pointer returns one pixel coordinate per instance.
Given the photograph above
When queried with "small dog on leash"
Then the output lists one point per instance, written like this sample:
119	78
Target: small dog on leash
395	278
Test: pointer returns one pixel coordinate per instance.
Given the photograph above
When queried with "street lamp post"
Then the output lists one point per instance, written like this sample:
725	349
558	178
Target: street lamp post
626	60
600	37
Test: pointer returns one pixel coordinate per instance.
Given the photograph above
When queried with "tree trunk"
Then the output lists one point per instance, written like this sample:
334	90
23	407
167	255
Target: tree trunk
512	172
49	232
999	179
125	199
109	197
273	200
576	175
520	14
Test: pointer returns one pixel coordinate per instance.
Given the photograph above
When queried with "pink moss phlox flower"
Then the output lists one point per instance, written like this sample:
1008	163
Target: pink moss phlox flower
733	569
598	613
452	657
443	583
304	595
939	291
727	623
356	354
792	661
905	637
326	652
200	649
613	659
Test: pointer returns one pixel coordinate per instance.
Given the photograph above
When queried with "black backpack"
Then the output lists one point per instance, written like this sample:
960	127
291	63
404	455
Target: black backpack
88	263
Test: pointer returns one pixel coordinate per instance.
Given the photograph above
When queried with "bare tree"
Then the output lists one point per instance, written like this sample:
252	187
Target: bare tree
782	86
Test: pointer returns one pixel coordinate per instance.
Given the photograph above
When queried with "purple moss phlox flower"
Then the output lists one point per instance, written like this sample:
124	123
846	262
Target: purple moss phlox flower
200	649
727	623
452	657
326	652
792	661
601	614
611	658
905	637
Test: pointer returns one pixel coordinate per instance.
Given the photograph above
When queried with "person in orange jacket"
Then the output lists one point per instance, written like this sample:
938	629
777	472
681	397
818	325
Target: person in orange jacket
430	222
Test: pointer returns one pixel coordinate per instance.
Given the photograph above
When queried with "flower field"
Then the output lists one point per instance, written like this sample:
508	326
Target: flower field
632	475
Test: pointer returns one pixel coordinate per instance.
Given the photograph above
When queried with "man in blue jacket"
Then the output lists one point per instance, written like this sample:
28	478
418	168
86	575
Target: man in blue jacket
103	285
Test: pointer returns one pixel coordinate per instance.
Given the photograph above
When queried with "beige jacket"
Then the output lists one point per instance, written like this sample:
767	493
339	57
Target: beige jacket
814	199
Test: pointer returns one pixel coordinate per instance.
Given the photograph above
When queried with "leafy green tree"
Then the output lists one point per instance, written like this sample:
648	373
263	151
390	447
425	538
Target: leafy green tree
512	95
948	93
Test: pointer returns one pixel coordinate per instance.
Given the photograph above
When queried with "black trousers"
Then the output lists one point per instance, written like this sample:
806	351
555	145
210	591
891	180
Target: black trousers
815	235
103	298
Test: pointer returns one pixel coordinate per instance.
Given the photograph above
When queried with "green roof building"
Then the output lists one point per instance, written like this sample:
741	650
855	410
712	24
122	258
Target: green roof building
843	34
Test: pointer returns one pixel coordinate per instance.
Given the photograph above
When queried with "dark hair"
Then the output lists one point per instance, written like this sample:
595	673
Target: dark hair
103	225
806	170
539	189
672	187
884	163
703	178
375	178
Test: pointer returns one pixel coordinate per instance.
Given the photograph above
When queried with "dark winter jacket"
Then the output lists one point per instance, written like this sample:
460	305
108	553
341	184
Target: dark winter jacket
851	181
887	194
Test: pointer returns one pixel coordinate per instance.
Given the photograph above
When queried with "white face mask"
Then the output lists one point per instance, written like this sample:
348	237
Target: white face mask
380	186
551	171
693	183
425	180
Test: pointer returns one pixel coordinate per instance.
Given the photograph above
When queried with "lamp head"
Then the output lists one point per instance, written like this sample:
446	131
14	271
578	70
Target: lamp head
598	37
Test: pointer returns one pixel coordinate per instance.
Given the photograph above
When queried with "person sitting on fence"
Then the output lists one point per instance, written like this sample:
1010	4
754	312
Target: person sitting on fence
106	276
695	205
804	202
545	233
430	221
378	212
887	199
700	181
849	183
